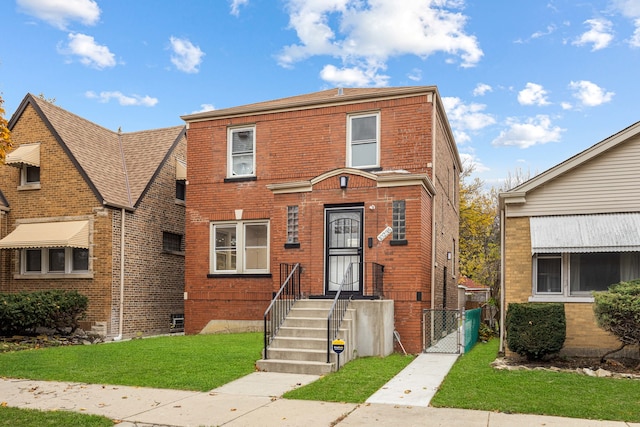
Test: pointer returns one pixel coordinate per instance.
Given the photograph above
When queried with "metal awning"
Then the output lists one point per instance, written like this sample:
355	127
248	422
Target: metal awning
27	154
586	233
74	234
181	170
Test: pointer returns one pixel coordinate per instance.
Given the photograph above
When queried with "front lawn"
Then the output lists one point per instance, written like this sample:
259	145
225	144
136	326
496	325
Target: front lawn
193	362
12	417
473	384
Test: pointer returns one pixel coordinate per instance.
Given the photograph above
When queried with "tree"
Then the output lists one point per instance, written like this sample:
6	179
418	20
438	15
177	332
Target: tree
5	134
479	233
617	310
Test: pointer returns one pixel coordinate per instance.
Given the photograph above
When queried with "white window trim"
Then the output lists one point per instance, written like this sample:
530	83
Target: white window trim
230	132
349	145
240	247
44	266
24	185
565	294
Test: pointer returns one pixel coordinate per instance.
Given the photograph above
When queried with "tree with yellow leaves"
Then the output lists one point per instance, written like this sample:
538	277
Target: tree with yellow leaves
5	134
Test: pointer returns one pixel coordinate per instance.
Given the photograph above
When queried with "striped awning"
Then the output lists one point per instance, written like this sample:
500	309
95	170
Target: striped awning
74	234
181	170
586	233
26	154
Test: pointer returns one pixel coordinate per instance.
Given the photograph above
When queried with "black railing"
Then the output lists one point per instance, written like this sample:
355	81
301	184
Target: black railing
282	302
339	306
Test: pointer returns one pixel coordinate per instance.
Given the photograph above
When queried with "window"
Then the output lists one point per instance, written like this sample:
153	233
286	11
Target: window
29	175
240	248
181	190
579	274
292	224
241	161
55	260
171	242
362	140
399	222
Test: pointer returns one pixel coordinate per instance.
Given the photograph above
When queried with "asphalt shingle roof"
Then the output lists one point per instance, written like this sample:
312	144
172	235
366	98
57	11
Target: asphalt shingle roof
118	166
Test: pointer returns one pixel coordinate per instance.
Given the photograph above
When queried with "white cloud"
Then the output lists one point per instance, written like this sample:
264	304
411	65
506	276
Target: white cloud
590	94
600	34
91	54
415	75
145	101
364	35
204	108
466	117
235	6
481	89
533	131
533	94
354	76
60	13
549	30
631	9
473	163
634	41
566	105
186	57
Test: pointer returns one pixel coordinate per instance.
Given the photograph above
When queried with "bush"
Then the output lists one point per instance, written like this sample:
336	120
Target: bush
535	330
22	313
618	311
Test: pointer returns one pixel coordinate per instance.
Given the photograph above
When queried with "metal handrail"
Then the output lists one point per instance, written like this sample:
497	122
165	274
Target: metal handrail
334	322
281	303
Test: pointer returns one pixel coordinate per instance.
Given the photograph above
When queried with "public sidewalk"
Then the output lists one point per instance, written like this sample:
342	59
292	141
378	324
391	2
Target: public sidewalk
255	400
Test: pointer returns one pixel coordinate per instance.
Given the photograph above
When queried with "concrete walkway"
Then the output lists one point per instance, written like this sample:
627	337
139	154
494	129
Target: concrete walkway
255	400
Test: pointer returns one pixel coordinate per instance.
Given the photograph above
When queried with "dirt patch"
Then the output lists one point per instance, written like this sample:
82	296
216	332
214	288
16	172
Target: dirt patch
626	367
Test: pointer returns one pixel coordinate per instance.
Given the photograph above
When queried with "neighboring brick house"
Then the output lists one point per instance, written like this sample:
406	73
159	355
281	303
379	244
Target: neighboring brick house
572	230
320	179
74	194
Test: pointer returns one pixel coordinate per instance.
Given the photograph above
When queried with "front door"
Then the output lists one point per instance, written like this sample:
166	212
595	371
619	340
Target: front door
343	249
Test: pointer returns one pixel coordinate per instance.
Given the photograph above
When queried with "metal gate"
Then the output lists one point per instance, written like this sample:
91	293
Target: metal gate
441	331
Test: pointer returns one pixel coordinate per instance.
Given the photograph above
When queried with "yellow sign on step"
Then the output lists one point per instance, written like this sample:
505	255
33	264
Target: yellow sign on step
338	345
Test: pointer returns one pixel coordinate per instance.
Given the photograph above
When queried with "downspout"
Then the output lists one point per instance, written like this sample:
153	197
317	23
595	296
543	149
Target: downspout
502	286
121	320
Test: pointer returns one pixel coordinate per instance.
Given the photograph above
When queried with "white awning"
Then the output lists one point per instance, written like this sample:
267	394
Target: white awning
74	234
181	170
27	154
586	233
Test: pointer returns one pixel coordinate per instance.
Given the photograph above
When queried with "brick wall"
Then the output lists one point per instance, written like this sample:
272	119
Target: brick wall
301	145
153	279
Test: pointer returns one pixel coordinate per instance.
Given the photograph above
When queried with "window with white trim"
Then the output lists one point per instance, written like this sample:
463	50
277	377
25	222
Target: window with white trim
54	260
29	175
242	151
399	220
363	137
240	247
579	274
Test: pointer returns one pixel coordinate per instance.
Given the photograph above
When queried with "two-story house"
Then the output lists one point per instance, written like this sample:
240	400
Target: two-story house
344	182
101	212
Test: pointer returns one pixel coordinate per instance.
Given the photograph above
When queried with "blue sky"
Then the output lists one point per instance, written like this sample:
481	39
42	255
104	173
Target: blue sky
526	84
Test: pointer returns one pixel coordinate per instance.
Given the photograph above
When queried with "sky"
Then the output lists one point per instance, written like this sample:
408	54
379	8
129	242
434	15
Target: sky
525	84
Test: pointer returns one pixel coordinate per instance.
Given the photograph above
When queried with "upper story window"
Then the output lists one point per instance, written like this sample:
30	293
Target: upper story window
292	224
29	175
240	247
181	190
363	140
242	150
171	242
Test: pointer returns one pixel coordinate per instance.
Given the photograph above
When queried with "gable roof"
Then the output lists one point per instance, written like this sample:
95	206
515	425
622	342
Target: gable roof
517	194
118	167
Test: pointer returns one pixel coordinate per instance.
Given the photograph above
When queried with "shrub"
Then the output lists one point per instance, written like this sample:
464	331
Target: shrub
535	330
22	313
618	311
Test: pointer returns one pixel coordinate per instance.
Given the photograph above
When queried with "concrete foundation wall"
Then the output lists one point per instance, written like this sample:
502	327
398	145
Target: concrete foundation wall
374	327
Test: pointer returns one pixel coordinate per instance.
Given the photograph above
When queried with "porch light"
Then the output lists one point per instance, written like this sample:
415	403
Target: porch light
344	180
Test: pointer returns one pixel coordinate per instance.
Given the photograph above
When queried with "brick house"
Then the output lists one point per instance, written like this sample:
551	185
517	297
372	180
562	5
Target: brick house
74	195
572	230
362	177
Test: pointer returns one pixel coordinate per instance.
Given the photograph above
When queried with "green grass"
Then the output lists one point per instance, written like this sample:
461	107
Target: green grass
473	384
193	362
354	382
11	417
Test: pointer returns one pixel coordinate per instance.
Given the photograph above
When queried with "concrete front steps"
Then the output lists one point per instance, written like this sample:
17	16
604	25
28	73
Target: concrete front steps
300	345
